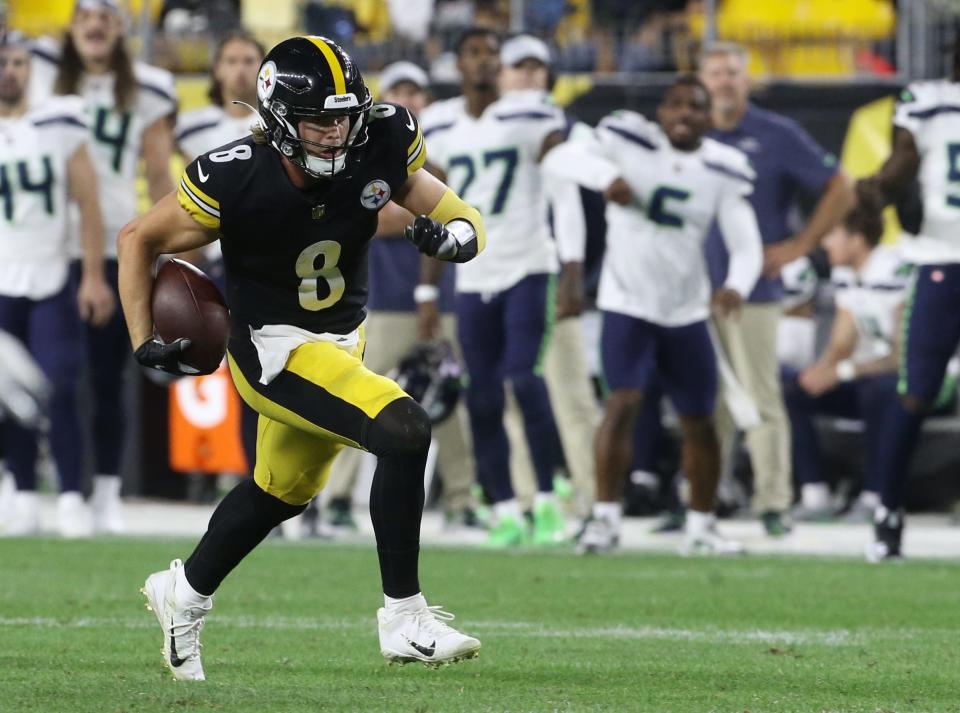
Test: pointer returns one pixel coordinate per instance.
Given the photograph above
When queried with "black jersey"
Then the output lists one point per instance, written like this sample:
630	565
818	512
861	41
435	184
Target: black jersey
295	256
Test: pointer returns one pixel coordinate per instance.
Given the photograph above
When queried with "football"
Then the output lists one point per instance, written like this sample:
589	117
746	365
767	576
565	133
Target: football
186	303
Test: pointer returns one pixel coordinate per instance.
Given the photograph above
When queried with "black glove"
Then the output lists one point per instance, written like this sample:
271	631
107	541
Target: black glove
154	354
429	236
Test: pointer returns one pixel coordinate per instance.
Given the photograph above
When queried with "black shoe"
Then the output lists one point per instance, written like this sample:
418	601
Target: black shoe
341	515
673	522
887	535
775	524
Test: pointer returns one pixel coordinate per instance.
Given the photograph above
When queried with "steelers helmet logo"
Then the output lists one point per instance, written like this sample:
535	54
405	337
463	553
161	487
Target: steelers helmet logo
266	81
375	194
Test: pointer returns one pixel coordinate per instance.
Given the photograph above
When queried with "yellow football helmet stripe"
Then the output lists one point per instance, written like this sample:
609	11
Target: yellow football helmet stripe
339	83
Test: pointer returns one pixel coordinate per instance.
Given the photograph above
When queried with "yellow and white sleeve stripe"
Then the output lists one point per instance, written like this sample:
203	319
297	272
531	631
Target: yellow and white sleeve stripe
201	207
416	153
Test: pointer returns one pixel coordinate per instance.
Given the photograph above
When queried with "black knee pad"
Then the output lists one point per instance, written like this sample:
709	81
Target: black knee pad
401	428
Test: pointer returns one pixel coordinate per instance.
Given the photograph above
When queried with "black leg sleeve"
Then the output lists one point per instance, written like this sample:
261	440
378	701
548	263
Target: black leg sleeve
400	438
240	522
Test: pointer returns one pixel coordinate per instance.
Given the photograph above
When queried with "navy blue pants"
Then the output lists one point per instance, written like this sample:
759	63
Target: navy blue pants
504	337
931	334
52	331
108	352
633	351
869	399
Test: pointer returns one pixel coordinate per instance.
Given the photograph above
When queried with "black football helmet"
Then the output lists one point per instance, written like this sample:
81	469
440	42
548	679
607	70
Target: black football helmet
431	375
310	78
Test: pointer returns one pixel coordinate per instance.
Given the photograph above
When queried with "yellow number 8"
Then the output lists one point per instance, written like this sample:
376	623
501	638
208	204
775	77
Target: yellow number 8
312	276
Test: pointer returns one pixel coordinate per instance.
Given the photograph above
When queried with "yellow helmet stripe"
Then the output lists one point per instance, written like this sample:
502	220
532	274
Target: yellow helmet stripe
339	83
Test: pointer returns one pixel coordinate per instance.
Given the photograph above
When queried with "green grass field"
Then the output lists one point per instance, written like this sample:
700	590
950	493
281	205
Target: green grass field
294	629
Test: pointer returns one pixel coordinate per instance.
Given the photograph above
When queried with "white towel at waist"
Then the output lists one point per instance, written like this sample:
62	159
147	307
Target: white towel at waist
275	342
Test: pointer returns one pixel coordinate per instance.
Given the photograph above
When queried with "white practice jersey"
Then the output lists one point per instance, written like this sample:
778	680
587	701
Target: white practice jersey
930	111
205	129
34	152
117	135
654	267
492	162
873	295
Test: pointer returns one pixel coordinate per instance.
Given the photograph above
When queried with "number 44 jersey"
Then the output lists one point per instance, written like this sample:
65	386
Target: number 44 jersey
34	152
299	257
492	162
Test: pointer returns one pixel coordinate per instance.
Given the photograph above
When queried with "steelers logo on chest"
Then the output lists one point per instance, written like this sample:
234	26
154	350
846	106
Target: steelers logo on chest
375	194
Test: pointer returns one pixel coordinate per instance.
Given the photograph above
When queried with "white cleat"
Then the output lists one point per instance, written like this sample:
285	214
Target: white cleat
24	520
181	625
709	542
423	635
106	505
599	537
73	518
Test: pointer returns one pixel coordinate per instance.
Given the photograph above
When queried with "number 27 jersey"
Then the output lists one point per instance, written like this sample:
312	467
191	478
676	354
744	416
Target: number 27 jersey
299	257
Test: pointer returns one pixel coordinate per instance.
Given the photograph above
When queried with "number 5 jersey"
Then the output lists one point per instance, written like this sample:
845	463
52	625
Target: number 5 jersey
654	267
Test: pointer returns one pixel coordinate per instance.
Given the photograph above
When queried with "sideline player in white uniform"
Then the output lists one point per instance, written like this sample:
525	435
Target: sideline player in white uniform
856	376
44	162
665	185
489	149
233	78
525	77
926	145
130	107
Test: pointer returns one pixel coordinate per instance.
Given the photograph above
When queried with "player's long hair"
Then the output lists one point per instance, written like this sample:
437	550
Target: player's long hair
215	92
866	221
70	70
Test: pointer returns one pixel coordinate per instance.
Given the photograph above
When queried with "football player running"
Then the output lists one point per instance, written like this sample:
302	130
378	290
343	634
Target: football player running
44	162
926	126
491	147
130	108
295	206
664	185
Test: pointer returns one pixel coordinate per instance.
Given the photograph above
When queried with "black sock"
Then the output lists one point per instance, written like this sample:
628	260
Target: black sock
240	522
400	437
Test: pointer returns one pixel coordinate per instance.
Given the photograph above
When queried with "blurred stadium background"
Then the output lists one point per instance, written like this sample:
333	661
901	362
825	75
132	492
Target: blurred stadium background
835	67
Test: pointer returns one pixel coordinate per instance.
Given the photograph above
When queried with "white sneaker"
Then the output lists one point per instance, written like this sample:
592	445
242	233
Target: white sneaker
106	505
709	542
598	537
181	624
423	635
73	519
25	515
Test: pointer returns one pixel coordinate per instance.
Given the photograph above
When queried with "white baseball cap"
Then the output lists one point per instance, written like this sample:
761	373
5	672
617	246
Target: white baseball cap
522	47
99	5
398	72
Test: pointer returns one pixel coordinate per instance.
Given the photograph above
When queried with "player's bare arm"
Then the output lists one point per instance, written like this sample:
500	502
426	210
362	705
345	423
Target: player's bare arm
165	228
157	150
443	219
822	375
837	200
897	173
94	297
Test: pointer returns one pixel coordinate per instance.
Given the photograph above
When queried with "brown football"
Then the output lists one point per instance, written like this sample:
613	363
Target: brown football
186	303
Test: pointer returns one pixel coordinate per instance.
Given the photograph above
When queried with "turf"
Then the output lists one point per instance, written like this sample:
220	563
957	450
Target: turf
294	630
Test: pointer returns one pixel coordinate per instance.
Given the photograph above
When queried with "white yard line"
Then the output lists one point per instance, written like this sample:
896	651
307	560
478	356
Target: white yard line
513	629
